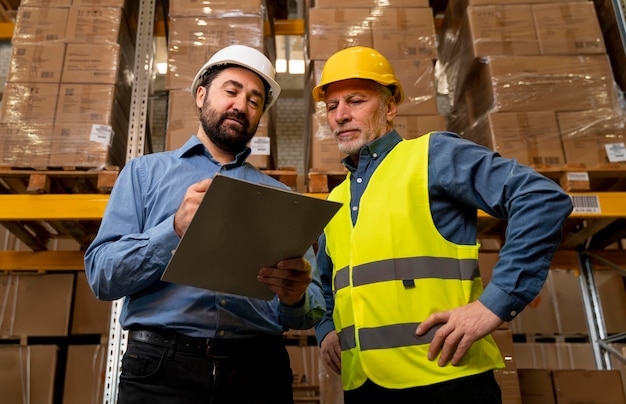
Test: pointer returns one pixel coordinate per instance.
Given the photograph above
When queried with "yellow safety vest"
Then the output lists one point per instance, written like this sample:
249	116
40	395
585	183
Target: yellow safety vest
391	271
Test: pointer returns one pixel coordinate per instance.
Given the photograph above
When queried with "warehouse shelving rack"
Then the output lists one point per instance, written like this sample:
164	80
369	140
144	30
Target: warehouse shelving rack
579	248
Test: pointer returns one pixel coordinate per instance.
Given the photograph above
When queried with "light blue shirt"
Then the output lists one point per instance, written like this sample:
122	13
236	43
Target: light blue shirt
463	177
135	242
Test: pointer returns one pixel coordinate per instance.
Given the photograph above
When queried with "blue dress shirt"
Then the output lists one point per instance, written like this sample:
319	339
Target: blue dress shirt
135	242
463	177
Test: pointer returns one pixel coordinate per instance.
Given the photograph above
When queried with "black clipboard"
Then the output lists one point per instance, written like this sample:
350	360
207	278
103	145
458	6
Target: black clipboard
241	227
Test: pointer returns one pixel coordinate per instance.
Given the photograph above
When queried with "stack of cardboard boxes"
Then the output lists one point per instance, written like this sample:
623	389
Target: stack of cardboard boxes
404	32
532	80
67	97
52	326
198	30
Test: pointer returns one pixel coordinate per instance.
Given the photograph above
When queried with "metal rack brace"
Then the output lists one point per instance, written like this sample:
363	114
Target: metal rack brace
137	127
600	340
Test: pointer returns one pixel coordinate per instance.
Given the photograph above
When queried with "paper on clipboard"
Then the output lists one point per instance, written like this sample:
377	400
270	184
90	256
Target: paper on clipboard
241	227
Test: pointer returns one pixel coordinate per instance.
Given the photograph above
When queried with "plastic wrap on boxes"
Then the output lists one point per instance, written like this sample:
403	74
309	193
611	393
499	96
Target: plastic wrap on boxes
193	40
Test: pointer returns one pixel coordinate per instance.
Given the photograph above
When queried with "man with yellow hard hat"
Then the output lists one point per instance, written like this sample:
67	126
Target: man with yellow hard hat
407	317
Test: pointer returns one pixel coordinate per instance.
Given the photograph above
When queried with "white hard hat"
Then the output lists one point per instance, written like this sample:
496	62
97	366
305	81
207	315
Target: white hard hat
247	57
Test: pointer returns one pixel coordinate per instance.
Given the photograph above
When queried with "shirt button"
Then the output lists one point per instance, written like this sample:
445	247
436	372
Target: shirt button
375	155
221	333
223	302
354	208
359	180
513	313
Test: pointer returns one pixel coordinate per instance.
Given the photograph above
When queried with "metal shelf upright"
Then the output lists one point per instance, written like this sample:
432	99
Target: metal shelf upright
137	130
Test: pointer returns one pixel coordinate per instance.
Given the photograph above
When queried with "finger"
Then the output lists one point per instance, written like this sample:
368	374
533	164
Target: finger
449	348
295	264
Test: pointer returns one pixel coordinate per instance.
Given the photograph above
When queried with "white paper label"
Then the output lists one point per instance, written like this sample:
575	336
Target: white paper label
616	152
578	176
101	134
260	145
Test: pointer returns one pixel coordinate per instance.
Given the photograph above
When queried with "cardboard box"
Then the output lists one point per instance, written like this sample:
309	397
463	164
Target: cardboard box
36	304
89	315
193	40
93	24
414	126
369	3
504	29
40	24
417	77
588	386
85	369
330	30
536	386
215	8
25	145
86	103
325	155
38	63
28	371
568	28
405	33
587	136
539	83
76	144
530	137
182	118
91	63
29	102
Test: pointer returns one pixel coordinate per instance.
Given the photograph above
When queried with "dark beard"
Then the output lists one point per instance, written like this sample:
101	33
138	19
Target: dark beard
230	138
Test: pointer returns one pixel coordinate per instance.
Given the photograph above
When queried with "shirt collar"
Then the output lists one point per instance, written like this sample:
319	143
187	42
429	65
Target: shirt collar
194	146
378	147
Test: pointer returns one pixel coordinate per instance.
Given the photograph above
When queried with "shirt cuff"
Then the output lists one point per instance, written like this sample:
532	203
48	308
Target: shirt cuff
501	303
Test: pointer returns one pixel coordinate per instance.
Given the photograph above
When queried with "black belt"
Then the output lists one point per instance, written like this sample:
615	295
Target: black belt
209	347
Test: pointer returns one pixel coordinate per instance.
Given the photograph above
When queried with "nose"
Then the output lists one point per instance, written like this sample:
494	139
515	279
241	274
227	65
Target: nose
239	103
342	113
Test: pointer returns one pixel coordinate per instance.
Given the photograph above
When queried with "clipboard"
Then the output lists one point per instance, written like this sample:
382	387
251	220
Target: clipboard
241	227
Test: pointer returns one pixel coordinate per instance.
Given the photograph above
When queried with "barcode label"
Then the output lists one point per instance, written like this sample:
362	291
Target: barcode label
586	204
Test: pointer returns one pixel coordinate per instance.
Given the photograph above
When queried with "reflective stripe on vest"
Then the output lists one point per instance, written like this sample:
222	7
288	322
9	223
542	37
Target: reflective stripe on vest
403	269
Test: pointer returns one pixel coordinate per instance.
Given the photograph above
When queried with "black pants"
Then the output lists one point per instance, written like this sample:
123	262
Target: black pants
479	389
158	374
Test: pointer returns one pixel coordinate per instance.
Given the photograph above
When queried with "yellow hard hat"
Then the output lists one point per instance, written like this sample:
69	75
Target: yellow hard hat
359	62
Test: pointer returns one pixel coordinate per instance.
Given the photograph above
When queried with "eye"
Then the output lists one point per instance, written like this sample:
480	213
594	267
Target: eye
331	107
254	102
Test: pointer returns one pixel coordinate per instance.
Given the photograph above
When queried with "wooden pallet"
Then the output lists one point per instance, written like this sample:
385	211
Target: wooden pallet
57	181
37	234
580	177
286	175
324	181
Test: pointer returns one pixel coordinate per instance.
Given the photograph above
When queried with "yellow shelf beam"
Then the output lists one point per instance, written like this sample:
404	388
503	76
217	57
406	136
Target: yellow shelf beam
6	30
15	207
289	27
41	261
609	205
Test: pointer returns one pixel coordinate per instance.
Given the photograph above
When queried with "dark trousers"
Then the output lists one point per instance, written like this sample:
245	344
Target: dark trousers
158	374
479	389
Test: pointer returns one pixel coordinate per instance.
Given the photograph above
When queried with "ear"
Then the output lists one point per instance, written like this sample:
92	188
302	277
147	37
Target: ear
200	94
392	109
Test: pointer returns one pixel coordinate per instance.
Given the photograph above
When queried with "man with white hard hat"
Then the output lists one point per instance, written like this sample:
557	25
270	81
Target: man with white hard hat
190	345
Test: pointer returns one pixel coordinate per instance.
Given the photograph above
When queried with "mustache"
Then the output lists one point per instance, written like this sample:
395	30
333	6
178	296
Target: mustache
344	128
238	116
